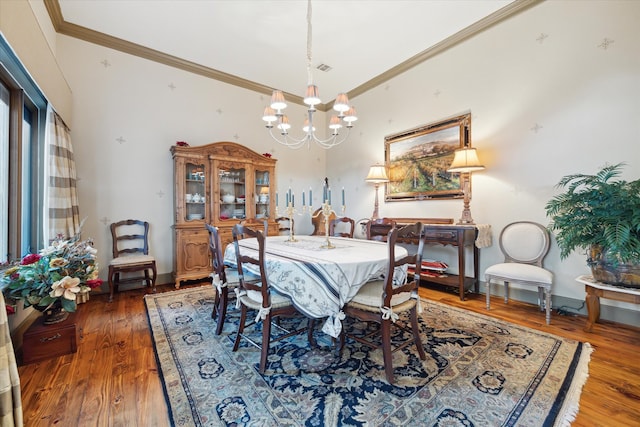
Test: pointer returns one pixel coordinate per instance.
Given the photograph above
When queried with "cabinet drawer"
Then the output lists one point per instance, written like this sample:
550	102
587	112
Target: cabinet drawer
46	341
442	235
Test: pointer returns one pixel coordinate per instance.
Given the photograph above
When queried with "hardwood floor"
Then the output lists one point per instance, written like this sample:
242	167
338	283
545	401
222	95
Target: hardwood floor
113	380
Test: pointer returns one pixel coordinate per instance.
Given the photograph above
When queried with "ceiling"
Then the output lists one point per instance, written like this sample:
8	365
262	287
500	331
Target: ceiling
262	44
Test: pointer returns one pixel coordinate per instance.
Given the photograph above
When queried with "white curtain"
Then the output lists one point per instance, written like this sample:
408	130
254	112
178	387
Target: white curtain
62	217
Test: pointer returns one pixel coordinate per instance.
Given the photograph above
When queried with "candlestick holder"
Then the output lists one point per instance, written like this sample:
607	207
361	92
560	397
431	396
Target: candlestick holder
290	211
326	212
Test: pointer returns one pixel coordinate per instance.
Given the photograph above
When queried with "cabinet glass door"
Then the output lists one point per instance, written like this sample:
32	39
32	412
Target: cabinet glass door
194	192
262	194
232	193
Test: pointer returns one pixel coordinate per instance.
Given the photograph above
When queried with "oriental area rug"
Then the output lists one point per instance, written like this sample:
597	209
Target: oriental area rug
479	372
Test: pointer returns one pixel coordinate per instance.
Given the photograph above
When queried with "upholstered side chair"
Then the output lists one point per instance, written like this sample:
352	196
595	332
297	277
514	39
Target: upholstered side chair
524	245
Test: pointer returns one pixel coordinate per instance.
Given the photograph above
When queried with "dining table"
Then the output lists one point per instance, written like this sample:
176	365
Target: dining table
319	280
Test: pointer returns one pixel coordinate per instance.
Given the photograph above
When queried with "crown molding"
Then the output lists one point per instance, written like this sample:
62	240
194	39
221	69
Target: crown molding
72	30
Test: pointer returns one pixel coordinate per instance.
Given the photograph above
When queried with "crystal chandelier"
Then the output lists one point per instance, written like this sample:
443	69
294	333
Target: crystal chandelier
274	116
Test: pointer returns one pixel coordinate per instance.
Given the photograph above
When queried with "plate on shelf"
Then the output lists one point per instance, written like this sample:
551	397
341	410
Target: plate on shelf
194	216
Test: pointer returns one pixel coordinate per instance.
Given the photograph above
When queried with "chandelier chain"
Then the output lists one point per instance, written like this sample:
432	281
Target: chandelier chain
309	33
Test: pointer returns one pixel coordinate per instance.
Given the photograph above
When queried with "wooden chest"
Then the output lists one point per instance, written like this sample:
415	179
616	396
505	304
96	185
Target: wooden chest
42	341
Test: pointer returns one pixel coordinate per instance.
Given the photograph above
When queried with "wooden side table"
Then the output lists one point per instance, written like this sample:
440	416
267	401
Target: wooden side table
596	290
42	341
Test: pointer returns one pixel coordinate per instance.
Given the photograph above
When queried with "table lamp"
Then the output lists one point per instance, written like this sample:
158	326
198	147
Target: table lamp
464	162
377	175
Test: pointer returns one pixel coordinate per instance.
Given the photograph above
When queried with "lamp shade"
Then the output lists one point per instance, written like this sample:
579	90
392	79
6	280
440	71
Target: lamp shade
465	160
377	174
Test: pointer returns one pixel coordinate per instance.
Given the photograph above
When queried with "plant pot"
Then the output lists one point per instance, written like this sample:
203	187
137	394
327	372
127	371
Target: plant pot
53	314
606	270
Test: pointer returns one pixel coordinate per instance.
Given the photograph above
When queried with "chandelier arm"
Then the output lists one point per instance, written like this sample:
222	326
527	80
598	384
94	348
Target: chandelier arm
289	141
327	143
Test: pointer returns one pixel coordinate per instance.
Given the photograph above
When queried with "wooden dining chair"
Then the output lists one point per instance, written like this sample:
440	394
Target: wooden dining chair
285	224
334	223
223	278
130	250
259	297
382	301
256	224
317	220
378	229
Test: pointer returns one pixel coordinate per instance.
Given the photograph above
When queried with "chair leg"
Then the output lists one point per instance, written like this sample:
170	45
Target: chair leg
488	294
416	333
385	327
243	318
548	303
222	309
266	337
310	327
506	292
111	284
154	275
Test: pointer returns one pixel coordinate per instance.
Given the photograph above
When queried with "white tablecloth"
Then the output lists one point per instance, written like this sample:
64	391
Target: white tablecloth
319	281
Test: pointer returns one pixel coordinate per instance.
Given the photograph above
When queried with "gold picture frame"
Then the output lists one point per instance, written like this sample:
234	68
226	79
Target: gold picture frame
417	160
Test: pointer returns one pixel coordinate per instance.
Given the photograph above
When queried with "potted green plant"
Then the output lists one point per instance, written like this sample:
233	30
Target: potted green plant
600	214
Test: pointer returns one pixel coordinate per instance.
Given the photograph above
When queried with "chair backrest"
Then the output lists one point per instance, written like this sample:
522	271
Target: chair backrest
240	232
342	220
411	231
130	236
215	249
285	224
378	229
524	242
317	220
256	223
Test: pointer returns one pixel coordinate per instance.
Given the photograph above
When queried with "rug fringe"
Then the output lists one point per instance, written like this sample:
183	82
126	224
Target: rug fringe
571	403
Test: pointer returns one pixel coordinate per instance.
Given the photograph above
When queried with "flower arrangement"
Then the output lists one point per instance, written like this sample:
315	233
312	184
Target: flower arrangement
182	143
55	275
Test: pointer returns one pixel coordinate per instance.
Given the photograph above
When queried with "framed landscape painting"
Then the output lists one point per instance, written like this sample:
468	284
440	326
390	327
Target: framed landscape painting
417	160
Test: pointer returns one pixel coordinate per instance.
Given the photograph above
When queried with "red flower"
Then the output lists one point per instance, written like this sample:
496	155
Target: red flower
182	144
95	283
10	309
30	259
267	155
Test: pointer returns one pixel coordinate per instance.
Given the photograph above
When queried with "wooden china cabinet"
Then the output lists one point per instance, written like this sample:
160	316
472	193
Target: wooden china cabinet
221	183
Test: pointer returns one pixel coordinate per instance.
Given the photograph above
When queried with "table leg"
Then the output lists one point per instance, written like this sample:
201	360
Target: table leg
593	308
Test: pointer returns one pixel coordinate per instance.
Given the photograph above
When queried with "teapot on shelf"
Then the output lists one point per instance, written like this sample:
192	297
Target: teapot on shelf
197	198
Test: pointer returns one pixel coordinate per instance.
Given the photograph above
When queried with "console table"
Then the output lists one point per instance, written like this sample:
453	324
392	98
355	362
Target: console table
596	290
442	231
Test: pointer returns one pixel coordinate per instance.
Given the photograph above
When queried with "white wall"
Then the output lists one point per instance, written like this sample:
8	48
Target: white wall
585	100
542	108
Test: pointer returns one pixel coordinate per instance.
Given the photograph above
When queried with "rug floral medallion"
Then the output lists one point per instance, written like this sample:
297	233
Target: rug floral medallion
478	372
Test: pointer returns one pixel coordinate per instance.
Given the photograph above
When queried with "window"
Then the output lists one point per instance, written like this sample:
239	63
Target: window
22	127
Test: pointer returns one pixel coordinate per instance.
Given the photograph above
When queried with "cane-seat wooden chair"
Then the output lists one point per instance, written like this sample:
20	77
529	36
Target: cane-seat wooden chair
285	225
260	297
223	278
130	250
382	301
524	245
337	222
